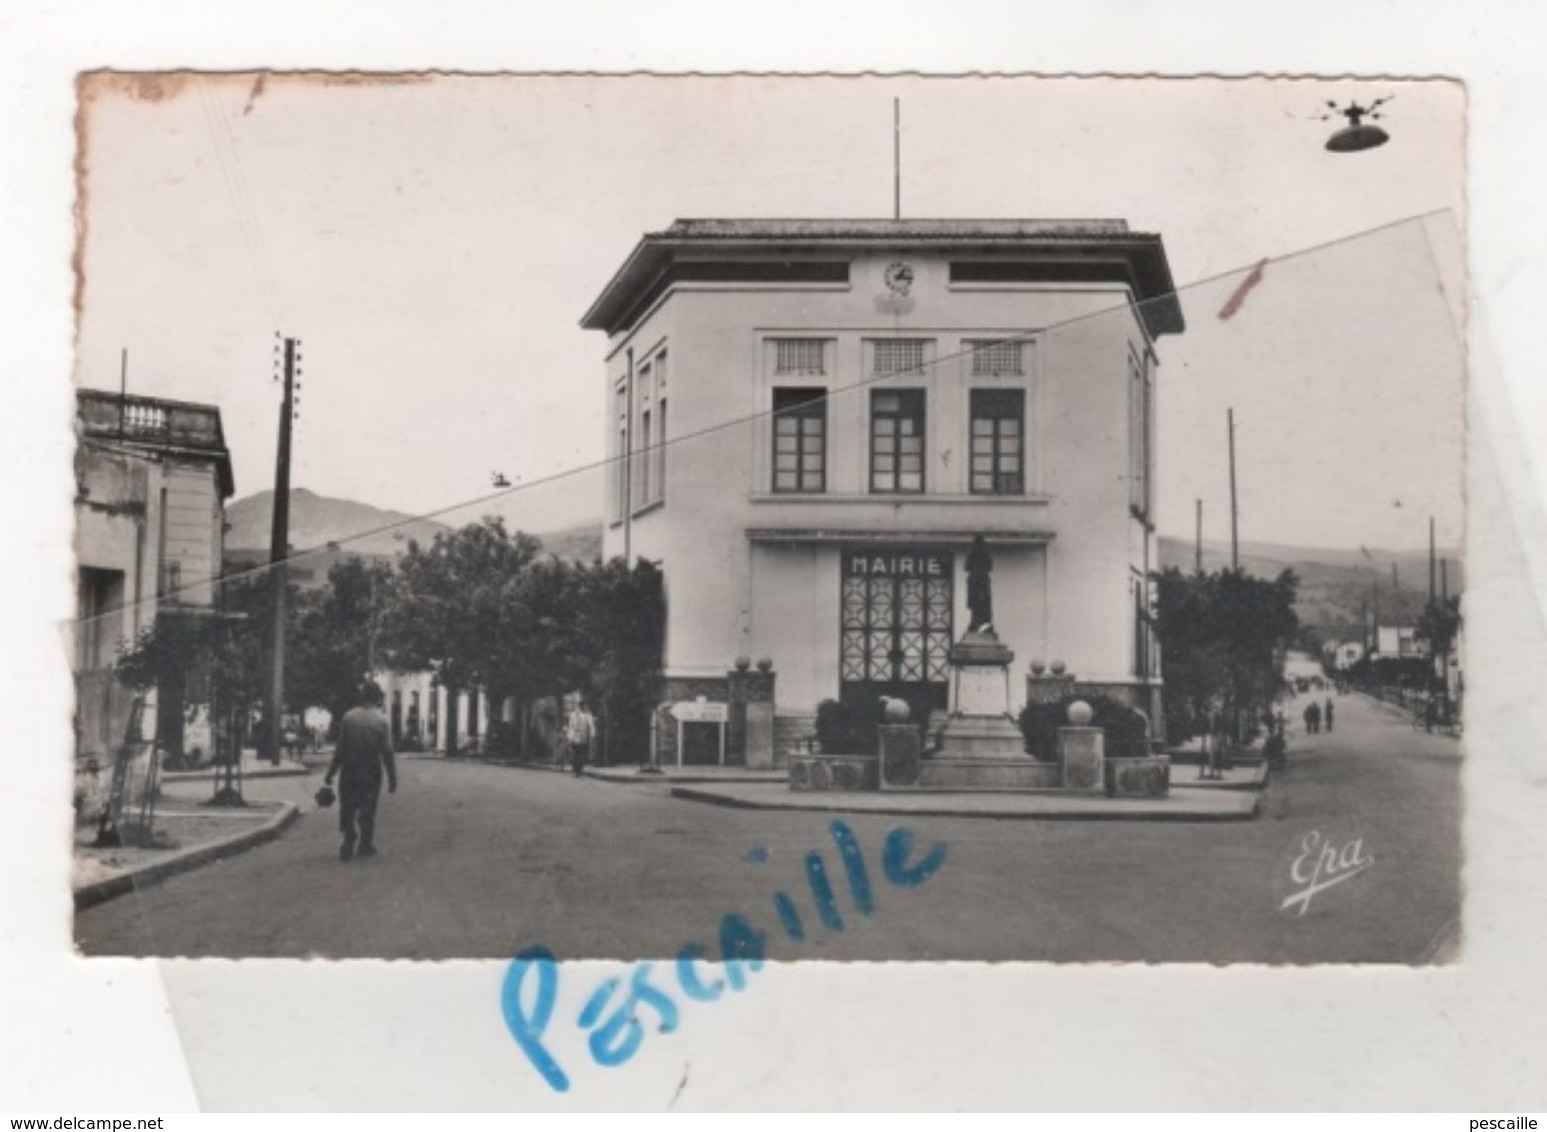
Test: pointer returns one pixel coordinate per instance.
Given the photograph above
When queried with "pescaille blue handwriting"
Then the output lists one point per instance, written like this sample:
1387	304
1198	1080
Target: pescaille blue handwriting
611	1012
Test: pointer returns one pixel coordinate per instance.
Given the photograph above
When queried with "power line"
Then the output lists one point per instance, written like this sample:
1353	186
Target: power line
248	228
605	462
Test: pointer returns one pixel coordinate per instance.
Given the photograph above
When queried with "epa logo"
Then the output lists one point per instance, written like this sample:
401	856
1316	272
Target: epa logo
1317	863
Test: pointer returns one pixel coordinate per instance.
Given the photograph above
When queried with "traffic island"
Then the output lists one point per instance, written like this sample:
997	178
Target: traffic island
1038	805
980	750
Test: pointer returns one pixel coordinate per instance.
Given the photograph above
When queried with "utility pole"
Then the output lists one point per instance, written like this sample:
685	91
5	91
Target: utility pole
1375	618
1197	553
1235	545
370	641
279	551
123	391
896	159
1431	559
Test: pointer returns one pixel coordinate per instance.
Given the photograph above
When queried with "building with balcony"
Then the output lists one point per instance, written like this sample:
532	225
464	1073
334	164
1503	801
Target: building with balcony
152	477
811	421
1399	641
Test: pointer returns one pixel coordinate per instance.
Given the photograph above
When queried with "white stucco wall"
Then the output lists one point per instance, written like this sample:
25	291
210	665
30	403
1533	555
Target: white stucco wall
194	519
725	599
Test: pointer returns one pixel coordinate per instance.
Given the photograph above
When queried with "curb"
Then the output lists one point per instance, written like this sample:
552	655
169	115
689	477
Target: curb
687	793
589	772
174	776
684	779
182	861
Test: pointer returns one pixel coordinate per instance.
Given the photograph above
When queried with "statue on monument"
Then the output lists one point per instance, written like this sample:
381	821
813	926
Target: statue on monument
980	598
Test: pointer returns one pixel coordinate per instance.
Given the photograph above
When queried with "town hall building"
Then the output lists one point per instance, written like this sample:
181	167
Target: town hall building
812	420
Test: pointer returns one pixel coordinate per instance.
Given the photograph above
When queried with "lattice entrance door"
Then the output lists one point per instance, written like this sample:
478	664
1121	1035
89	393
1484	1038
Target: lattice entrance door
897	619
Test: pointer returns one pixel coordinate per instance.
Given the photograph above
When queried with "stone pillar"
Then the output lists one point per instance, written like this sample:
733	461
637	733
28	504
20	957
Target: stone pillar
1048	687
749	729
749	741
1081	752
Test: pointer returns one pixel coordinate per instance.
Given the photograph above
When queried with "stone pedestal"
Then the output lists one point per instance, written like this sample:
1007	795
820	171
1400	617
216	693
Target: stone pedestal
981	746
1081	753
980	726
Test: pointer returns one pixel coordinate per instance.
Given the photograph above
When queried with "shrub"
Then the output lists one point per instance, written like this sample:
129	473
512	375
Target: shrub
1127	731
842	729
835	726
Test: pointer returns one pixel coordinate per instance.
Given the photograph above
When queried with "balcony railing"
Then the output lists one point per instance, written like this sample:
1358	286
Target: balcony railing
150	419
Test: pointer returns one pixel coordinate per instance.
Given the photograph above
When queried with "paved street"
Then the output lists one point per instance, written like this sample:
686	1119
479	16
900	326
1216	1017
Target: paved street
482	861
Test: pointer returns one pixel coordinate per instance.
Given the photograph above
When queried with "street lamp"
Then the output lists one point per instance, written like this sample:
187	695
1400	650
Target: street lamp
1357	135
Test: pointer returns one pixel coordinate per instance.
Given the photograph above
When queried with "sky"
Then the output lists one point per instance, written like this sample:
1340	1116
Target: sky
433	241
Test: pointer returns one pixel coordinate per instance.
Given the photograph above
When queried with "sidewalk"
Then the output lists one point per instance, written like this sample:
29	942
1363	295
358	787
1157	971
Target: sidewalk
1184	804
194	836
1184	776
683	775
252	767
631	774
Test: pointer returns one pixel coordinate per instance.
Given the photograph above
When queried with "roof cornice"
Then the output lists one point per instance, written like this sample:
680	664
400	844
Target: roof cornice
1144	253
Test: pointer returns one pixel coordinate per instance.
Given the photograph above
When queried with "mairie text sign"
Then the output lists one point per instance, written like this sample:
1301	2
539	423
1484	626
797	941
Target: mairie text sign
888	563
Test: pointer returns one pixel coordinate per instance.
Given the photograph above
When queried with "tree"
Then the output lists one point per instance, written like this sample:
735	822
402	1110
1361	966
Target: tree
623	631
331	652
1224	637
595	628
193	656
1439	624
445	611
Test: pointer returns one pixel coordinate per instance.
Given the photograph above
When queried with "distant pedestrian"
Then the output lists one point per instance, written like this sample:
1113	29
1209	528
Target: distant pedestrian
362	753
580	732
1328	715
1312	719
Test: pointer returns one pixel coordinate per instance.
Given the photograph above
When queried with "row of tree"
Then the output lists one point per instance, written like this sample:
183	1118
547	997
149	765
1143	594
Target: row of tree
481	608
1225	636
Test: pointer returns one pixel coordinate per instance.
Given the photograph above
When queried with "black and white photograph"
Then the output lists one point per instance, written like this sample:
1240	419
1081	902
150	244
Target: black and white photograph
729	520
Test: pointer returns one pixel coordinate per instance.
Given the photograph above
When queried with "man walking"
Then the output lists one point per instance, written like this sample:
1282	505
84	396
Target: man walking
364	750
580	732
1327	715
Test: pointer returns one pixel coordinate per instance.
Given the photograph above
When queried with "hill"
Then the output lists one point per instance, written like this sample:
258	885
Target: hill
325	530
316	520
1336	586
580	543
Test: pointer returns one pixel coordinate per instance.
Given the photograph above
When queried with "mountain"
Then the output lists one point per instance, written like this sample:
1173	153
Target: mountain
316	521
1336	586
324	530
580	543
